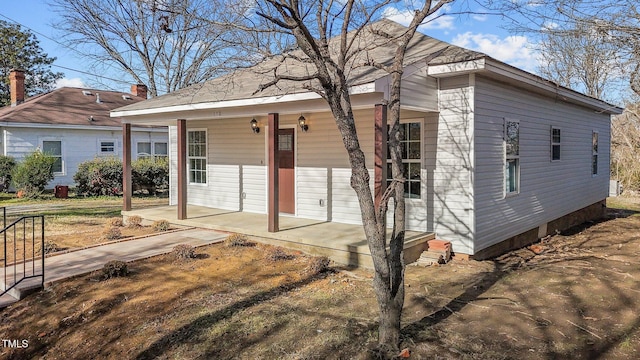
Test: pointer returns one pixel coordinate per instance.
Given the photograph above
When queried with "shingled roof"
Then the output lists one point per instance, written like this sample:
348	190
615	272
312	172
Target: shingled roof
69	106
245	83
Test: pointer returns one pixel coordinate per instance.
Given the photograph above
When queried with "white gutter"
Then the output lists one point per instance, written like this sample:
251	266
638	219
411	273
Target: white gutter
79	127
358	89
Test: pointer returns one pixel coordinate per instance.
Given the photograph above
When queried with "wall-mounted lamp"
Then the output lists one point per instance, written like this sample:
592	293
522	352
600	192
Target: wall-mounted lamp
303	123
254	126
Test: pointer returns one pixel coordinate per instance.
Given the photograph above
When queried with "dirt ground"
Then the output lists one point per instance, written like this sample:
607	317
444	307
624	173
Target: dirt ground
575	296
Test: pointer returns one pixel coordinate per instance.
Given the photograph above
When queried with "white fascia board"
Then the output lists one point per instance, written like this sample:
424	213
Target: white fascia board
79	127
458	68
354	90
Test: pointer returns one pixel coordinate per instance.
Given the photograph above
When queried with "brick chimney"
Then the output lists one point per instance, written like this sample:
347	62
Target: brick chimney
16	86
139	90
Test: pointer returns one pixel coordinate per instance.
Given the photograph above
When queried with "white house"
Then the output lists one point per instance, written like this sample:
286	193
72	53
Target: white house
495	157
73	125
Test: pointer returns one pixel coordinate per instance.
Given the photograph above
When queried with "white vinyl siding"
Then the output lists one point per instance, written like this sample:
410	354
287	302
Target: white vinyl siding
449	164
78	145
548	189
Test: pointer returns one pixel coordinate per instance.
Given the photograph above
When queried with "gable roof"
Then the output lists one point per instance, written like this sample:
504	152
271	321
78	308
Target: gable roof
244	83
69	106
443	59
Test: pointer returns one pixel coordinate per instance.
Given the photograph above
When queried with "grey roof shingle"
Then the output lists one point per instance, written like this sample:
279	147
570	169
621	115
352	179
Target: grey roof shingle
69	106
244	83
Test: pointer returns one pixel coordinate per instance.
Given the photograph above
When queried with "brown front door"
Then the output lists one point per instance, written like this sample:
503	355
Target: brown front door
286	171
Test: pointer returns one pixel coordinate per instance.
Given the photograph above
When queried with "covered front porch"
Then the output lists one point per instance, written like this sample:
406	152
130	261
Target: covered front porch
343	243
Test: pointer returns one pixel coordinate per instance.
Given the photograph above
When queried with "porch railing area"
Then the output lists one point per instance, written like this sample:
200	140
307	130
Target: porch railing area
23	251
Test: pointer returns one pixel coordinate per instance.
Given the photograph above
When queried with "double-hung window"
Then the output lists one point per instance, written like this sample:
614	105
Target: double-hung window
594	153
149	149
411	144
197	156
555	144
54	148
512	156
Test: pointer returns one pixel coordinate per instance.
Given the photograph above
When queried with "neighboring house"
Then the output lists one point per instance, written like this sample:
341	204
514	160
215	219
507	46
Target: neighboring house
73	125
495	157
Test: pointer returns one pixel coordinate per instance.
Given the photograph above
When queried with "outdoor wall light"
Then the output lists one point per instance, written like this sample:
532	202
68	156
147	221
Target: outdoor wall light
254	126
303	123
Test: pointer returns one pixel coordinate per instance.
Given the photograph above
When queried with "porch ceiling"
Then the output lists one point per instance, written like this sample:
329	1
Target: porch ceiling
343	243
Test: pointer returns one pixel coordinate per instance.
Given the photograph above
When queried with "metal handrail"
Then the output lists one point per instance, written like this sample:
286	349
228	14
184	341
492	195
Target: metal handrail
17	279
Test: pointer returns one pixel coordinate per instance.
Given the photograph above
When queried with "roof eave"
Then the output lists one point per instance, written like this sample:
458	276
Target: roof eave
240	103
500	69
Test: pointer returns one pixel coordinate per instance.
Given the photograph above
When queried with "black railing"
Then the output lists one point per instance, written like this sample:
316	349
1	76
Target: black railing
23	250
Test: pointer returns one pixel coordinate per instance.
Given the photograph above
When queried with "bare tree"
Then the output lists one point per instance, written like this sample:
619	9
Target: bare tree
164	44
334	39
625	142
589	45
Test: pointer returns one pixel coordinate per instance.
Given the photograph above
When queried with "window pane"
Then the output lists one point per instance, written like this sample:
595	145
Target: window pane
511	175
414	171
414	150
414	131
555	135
555	152
414	189
513	138
160	148
285	142
144	149
53	148
594	139
107	146
57	166
594	165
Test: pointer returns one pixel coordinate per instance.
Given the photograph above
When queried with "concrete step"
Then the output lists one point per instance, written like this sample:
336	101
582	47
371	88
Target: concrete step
24	288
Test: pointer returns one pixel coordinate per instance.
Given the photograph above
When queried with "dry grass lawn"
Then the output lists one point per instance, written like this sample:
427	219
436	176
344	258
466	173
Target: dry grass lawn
578	298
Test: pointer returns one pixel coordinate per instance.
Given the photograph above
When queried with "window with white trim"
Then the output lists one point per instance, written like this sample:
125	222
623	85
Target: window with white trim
411	144
512	156
197	156
54	148
107	147
594	153
555	143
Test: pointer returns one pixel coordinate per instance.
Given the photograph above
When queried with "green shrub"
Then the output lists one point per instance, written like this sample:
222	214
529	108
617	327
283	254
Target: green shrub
160	225
100	176
33	173
151	174
184	252
7	163
115	268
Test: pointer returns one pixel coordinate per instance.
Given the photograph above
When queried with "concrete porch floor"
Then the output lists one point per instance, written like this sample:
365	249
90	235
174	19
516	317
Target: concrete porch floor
342	243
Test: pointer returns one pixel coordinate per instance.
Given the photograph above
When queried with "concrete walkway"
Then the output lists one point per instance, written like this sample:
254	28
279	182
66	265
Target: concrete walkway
63	266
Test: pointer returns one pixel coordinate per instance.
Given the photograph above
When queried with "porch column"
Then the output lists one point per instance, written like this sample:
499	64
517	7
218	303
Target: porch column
182	169
273	209
380	151
126	167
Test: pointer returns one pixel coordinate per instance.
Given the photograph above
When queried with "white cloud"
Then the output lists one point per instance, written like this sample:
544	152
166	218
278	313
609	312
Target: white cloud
513	50
438	21
65	82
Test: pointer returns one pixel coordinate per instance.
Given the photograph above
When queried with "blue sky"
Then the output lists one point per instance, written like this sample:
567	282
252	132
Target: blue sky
474	31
